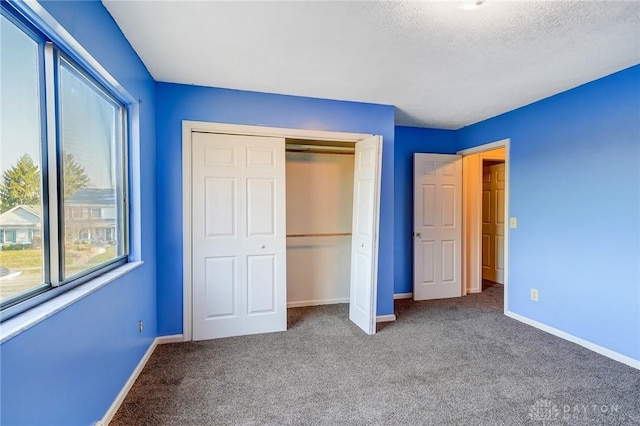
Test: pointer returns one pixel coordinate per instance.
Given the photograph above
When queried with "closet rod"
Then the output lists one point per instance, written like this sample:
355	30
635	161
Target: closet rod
319	149
310	151
337	234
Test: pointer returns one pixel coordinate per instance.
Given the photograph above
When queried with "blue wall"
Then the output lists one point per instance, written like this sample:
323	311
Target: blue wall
410	140
177	102
575	189
68	369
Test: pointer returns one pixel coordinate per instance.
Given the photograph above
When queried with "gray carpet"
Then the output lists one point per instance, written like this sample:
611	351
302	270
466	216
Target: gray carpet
448	362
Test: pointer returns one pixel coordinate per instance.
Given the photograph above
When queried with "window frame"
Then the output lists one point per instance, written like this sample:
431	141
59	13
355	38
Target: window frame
49	62
121	157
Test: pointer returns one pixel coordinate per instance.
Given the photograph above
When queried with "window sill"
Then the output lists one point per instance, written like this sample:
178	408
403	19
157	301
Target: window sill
22	322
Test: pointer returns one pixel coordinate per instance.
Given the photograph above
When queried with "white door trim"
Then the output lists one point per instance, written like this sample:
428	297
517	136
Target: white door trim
474	256
236	129
486	147
242	129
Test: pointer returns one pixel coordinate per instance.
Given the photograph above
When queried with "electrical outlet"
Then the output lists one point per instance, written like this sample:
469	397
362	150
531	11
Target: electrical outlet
140	326
534	294
513	223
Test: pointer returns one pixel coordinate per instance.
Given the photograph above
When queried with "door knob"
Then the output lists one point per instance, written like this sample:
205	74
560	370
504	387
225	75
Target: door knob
418	234
262	246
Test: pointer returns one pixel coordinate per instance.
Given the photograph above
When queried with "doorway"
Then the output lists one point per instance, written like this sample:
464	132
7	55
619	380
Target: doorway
246	300
319	219
493	221
485	221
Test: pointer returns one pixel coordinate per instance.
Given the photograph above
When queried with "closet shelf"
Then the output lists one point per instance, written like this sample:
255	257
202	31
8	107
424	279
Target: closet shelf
337	234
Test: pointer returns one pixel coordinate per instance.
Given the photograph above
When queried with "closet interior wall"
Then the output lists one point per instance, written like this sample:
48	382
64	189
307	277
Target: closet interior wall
319	200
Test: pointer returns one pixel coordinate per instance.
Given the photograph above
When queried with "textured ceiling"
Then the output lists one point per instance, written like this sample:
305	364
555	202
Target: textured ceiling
439	65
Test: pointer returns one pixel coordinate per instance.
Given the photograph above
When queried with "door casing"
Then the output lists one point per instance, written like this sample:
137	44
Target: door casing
188	127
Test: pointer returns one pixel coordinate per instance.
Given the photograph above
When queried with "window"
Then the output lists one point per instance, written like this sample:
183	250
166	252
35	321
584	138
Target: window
67	156
21	203
9	236
76	212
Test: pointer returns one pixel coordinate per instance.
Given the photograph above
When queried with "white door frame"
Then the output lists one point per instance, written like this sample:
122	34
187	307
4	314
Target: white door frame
471	259
239	129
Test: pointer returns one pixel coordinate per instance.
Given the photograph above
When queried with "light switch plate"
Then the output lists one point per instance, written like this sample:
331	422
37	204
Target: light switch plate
513	223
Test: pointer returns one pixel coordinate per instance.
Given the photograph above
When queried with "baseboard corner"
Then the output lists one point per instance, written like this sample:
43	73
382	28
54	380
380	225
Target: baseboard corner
616	356
403	296
115	405
173	338
317	302
386	318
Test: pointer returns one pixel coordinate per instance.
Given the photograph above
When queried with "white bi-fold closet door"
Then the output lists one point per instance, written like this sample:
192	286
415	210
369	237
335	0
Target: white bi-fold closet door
238	234
364	240
239	246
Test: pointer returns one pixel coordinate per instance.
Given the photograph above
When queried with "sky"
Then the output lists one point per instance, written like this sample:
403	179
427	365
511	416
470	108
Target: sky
19	125
87	118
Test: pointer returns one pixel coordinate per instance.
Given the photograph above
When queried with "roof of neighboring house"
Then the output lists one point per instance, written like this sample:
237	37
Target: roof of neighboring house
92	197
21	216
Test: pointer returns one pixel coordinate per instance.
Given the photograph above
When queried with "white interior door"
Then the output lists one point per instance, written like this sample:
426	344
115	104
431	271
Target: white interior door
238	235
364	242
493	226
437	268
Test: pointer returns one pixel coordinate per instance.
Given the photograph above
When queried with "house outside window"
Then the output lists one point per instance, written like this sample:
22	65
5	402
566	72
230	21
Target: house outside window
9	236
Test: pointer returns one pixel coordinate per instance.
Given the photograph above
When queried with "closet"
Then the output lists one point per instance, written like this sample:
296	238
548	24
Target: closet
272	220
319	212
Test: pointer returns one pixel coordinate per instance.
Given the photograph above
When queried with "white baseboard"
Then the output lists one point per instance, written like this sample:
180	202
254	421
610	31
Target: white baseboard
317	302
386	318
403	296
174	338
577	340
115	405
